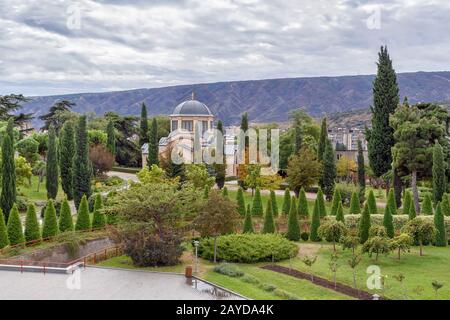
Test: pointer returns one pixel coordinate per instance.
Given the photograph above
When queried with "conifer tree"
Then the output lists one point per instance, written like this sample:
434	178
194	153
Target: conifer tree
439	223
303	210
248	223
388	221
111	138
269	224
427	205
52	165
361	172
257	209
412	209
50	224
286	202
439	184
66	155
391	202
445	205
153	144
406	202
225	192
328	178
15	231
9	192
65	217
372	203
83	220
32	230
322	140
82	167
143	130
4	241
98	219
321	202
206	192
315	222
335	201
364	224
354	204
220	168
273	199
240	201
340	213
293	232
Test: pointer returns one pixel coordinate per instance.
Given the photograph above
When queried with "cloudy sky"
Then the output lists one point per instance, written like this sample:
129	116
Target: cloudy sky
59	46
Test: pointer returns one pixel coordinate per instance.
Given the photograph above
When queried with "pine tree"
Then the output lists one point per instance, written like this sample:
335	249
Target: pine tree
32	231
439	184
406	202
322	140
225	192
340	213
335	201
98	219
293	231
273	199
9	192
412	209
372	203
321	202
439	223
83	220
364	224
286	202
328	178
240	201
143	129
66	155
15	231
65	217
388	221
391	202
257	209
354	204
427	205
445	205
50	224
315	222
303	210
111	138
361	172
82	168
248	223
4	241
52	165
269	224
153	144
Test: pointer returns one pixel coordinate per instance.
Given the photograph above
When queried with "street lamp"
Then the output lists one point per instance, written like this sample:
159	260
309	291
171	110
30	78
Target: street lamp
196	243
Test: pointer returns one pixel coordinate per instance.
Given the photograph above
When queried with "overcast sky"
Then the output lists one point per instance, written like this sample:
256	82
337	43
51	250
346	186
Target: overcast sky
55	47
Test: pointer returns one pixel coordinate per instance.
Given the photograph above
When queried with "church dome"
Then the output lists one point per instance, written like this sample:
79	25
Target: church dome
192	108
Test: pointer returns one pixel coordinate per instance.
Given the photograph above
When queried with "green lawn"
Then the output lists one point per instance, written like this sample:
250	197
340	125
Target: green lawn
31	193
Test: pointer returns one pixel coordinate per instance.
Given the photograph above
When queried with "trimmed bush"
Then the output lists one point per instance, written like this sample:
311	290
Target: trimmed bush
65	217
354	204
391	202
257	209
269	224
412	209
406	202
228	269
32	231
98	219
372	203
50	224
388	221
364	224
248	248
303	210
273	199
315	222
439	223
427	205
240	202
340	213
335	202
15	231
83	221
293	231
4	241
286	202
248	223
321	203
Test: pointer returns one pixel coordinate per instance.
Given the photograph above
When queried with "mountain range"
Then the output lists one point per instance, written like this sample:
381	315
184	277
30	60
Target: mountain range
265	101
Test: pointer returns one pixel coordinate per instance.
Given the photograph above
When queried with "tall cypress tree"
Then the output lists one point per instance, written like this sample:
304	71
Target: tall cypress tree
269	224
286	202
322	140
329	170
439	184
361	173
82	168
248	223
66	155
391	202
406	202
274	204
32	231
293	232
153	144
240	201
354	204
445	205
372	203
98	218
335	201
220	168
257	209
111	138
303	210
321	203
4	241
388	221
52	165
385	100
9	192
315	222
427	205
439	223
143	129
364	224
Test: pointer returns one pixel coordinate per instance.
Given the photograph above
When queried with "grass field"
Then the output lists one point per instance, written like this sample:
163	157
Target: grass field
31	193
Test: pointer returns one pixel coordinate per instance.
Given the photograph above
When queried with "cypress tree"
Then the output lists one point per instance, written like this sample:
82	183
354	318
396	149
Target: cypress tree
143	129
52	164
335	201
445	205
439	223
153	144
83	220
15	231
354	204
329	170
391	202
248	223
98	219
50	224
315	222
32	230
9	192
225	192
240	201
439	184
82	168
273	199
388	221
220	168
412	209
286	202
372	203
406	202
303	210
361	172
111	138
66	155
321	202
322	140
427	205
4	241
269	224
65	217
364	224
257	209
293	231
206	192
340	213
